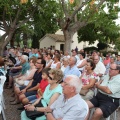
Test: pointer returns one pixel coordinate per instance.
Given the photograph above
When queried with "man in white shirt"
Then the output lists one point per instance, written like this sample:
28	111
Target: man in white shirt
100	68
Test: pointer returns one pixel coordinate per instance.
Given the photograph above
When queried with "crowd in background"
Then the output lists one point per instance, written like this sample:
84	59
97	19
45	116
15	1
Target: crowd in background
39	75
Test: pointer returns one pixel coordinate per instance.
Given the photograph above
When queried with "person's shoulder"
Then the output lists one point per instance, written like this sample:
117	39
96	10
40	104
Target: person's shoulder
58	88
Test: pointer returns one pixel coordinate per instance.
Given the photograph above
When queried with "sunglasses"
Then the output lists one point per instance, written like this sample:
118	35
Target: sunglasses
50	78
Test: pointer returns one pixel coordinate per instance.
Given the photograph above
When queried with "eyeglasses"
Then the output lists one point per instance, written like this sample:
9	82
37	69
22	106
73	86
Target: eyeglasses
38	63
64	83
112	69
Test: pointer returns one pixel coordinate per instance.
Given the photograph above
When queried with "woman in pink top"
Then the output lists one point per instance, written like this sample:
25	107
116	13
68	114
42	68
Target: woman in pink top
88	78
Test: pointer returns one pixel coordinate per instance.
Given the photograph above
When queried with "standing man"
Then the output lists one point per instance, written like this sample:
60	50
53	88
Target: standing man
69	105
107	98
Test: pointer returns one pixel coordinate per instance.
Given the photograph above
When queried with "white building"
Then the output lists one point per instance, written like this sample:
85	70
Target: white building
56	41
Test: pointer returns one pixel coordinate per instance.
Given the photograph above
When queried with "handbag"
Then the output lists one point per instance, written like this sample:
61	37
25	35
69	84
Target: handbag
19	82
33	114
16	70
84	92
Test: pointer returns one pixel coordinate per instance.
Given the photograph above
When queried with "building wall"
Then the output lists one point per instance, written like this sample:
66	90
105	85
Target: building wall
47	42
57	46
75	43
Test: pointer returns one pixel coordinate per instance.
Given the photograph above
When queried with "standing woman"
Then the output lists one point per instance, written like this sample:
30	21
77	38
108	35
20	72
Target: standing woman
56	63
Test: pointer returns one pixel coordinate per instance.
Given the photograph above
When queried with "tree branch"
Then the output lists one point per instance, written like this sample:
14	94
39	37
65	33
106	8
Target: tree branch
24	21
16	18
78	25
78	9
64	8
4	22
100	3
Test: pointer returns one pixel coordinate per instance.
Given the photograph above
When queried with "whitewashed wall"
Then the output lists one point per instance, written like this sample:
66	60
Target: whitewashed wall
47	42
75	43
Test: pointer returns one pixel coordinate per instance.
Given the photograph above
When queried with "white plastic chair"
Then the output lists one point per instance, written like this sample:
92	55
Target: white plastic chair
2	81
87	110
1	104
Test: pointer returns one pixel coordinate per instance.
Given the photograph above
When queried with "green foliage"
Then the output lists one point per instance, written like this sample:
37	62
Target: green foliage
102	28
41	22
90	49
117	44
101	46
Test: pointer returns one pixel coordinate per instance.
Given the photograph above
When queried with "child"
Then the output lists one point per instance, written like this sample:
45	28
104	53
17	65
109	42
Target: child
43	84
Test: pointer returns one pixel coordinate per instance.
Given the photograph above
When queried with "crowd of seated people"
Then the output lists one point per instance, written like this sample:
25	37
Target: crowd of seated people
62	82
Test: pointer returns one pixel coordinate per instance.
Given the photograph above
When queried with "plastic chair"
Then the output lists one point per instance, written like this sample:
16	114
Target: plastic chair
1	104
2	81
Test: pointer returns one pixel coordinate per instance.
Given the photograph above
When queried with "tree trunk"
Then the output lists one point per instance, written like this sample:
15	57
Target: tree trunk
25	39
68	35
4	41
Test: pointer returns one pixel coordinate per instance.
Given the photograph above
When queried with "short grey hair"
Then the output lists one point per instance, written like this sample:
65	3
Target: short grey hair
25	57
75	81
65	59
75	59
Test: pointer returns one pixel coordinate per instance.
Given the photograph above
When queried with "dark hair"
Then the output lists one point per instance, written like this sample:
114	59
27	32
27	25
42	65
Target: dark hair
43	62
1	61
50	55
57	56
118	68
57	51
46	71
83	54
92	64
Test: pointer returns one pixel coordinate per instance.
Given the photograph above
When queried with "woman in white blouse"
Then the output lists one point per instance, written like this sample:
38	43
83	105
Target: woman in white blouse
64	64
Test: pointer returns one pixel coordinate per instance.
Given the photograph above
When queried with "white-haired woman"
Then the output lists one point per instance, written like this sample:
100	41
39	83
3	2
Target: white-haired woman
25	66
65	63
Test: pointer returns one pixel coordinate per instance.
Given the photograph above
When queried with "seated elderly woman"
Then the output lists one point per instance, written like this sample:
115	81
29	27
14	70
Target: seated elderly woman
51	93
24	79
65	63
25	66
88	78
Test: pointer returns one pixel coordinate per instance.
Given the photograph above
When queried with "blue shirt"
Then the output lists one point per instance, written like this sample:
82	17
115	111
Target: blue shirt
72	71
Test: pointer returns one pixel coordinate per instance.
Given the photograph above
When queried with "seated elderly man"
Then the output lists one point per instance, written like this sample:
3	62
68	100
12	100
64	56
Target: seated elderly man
69	105
72	69
107	98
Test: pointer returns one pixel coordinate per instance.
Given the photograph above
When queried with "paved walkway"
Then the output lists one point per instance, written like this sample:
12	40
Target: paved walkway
12	113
